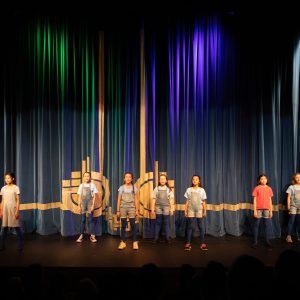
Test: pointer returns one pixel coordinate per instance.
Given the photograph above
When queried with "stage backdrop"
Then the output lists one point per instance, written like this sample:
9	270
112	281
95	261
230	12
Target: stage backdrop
183	97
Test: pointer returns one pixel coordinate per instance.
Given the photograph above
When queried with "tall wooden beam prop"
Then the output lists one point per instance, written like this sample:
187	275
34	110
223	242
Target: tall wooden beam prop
101	100
145	182
143	109
100	179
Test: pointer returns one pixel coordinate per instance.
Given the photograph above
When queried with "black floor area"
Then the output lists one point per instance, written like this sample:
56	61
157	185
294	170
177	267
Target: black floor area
58	251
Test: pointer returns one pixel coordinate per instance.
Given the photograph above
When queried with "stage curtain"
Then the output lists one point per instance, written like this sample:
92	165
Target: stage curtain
221	101
49	116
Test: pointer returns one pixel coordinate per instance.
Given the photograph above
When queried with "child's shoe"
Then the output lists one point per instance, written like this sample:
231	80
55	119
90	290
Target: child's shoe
122	245
93	239
80	239
203	247
188	247
135	245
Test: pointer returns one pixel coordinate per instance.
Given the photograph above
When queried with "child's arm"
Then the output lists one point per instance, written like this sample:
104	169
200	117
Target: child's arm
95	191
271	208
289	202
254	207
153	205
17	211
93	203
79	203
152	208
1	208
137	202
204	208
118	205
172	205
79	198
186	207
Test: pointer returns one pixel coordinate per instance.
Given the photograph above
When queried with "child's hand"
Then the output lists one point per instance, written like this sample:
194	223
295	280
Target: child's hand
270	214
92	208
17	214
152	213
255	214
1	214
186	213
136	214
289	210
171	212
118	214
204	214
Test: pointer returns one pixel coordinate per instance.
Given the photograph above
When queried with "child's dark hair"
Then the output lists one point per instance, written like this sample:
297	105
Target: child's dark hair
294	176
167	183
259	177
12	175
130	173
200	181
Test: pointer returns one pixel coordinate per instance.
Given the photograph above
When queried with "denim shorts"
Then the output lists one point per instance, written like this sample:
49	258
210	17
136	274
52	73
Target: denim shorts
294	210
263	213
162	210
127	211
195	213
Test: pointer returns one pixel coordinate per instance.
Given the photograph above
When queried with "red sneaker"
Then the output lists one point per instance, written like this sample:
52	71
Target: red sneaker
203	247
188	247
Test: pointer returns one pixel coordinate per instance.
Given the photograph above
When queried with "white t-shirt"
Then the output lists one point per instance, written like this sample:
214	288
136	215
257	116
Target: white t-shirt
124	189
162	188
199	190
92	187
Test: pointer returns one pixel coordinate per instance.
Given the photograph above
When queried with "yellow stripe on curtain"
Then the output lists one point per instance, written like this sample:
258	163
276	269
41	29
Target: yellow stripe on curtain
181	207
40	206
232	207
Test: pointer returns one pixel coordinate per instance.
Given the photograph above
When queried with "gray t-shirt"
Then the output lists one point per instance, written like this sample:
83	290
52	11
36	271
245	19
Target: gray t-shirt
294	191
92	187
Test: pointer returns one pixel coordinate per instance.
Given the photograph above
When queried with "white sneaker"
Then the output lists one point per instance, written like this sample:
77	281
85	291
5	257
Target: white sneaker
289	239
93	239
80	239
135	246
122	246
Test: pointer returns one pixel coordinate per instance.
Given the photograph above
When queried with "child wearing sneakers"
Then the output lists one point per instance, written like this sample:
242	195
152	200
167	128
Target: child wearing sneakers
86	203
195	211
163	207
262	208
127	206
293	205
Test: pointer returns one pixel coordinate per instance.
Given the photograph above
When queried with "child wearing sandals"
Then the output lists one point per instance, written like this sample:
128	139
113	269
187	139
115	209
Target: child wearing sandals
127	206
10	210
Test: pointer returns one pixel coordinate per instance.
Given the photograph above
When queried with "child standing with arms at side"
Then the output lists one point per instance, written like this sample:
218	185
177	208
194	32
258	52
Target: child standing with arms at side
10	210
293	205
127	206
163	206
262	208
86	203
195	211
